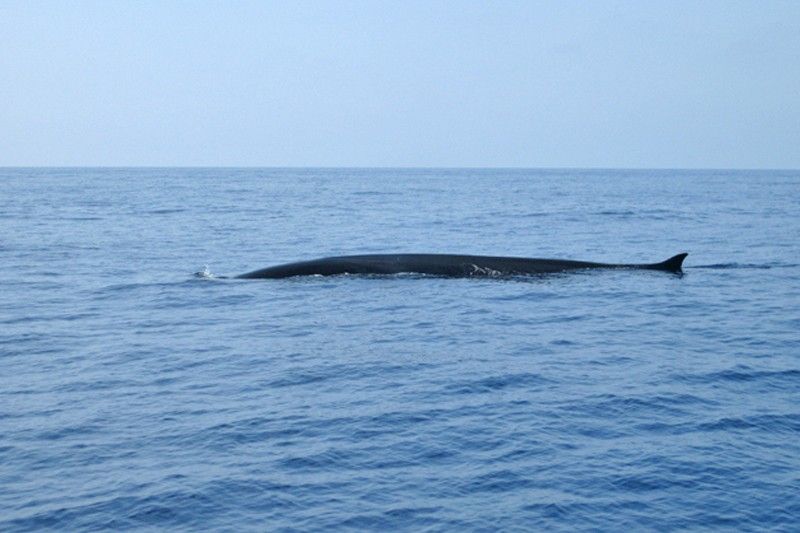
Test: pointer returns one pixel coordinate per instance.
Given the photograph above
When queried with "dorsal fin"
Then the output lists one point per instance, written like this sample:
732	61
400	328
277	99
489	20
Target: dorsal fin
673	264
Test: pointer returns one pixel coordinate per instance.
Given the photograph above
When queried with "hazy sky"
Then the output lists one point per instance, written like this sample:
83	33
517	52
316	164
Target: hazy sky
378	83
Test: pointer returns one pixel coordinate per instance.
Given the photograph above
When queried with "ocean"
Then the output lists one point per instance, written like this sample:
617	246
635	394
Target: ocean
141	391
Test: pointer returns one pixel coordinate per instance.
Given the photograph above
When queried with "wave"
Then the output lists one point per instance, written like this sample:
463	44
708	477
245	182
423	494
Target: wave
732	266
740	374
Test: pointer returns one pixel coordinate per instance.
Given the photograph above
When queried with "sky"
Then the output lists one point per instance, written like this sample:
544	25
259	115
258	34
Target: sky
634	84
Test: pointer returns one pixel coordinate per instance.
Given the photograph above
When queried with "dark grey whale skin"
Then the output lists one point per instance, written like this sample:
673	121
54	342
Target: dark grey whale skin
454	266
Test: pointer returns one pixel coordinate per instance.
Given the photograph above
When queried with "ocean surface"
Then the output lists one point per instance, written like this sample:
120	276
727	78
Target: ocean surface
141	391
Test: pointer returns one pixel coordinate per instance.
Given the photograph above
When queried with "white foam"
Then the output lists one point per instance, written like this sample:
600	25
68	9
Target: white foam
205	273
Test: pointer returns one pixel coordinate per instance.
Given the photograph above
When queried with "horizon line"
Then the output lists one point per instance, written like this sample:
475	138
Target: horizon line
386	167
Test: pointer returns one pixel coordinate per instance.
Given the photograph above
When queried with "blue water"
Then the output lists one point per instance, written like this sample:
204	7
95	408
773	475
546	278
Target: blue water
136	394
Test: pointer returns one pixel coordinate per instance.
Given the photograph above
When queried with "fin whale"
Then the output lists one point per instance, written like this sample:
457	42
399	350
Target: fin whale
444	265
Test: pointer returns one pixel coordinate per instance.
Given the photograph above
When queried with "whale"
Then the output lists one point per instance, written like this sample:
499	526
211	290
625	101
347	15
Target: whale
444	265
